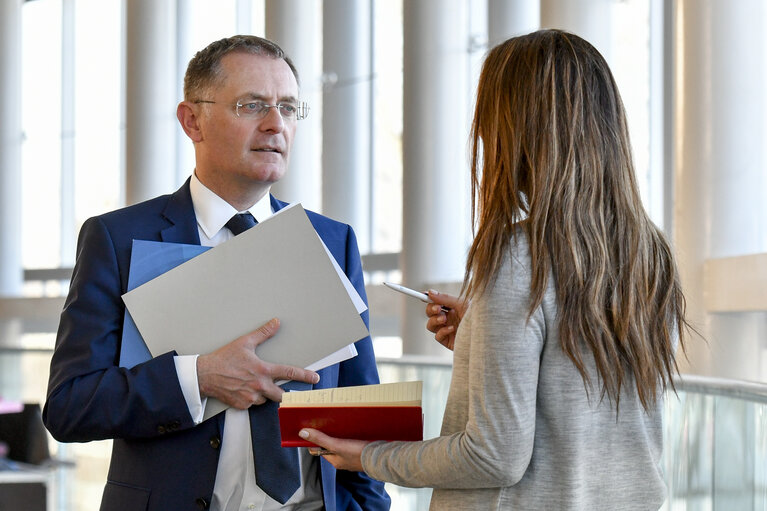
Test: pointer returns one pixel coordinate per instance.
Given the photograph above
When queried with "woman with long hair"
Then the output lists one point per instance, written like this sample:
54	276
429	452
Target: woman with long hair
571	311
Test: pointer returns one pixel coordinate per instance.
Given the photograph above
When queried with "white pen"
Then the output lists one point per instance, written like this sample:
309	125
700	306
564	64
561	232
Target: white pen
415	294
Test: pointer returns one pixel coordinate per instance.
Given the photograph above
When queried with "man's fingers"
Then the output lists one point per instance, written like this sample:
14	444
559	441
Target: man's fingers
264	332
295	373
273	393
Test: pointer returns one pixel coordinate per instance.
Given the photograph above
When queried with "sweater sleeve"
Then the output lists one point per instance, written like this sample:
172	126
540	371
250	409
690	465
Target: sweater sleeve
489	426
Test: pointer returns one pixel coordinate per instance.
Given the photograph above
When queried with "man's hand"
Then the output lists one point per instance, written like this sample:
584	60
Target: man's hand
234	374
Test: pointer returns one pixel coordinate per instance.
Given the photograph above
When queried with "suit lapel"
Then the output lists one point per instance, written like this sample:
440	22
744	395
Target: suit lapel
276	204
180	212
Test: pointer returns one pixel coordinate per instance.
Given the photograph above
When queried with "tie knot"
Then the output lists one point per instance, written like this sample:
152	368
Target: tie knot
240	223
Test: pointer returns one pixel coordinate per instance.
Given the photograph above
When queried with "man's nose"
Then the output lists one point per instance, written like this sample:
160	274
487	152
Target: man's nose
272	121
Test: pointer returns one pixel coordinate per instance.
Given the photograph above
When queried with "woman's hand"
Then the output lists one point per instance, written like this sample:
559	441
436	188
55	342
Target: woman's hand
443	323
341	453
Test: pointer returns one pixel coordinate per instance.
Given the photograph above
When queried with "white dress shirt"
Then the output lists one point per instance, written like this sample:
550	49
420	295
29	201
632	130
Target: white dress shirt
235	488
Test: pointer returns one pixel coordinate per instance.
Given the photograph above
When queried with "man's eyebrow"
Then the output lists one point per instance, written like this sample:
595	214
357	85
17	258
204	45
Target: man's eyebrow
252	95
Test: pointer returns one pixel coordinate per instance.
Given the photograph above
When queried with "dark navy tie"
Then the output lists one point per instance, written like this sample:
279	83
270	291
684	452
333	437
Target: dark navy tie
241	222
277	468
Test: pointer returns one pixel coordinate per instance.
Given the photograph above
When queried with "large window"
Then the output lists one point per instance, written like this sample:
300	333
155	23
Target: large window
73	112
73	116
386	196
71	120
41	126
630	64
98	109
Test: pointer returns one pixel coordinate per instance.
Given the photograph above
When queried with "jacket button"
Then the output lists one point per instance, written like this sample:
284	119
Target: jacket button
201	503
161	429
215	442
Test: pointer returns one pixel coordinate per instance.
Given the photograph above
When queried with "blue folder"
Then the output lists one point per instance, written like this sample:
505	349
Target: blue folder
149	259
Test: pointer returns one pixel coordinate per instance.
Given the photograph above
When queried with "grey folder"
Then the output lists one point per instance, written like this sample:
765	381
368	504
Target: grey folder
279	268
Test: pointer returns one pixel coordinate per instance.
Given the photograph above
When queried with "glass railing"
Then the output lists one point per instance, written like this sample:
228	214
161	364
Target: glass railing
715	455
715	445
435	374
715	436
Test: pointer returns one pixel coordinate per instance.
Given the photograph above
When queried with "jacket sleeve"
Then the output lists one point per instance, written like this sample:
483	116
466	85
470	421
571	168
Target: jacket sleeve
356	490
89	396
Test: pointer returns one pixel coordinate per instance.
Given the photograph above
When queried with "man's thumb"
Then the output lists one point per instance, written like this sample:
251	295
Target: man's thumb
264	332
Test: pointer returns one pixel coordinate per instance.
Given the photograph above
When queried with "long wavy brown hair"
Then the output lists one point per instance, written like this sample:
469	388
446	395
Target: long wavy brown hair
551	158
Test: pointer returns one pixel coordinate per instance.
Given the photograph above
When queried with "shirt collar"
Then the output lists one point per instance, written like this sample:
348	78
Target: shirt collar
213	212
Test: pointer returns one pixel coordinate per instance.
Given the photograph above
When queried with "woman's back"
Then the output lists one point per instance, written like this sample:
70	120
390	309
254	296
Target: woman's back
517	401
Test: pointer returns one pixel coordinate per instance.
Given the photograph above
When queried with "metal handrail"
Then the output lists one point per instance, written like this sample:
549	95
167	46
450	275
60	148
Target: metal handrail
418	360
739	389
699	384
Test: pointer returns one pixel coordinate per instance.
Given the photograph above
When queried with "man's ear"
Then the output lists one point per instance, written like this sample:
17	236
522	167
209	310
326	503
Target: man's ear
187	116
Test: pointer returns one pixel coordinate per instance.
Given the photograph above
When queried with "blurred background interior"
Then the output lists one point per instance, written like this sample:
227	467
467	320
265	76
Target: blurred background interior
88	92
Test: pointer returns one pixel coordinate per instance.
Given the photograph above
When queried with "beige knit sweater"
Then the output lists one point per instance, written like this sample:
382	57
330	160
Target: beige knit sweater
519	430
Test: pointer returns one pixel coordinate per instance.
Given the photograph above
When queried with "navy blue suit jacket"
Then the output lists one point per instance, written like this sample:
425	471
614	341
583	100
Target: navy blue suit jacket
160	459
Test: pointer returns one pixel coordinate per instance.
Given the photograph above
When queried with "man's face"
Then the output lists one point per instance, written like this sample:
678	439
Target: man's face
241	151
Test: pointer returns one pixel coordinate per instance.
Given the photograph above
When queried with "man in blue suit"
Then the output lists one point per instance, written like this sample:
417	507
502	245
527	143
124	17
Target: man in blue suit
240	110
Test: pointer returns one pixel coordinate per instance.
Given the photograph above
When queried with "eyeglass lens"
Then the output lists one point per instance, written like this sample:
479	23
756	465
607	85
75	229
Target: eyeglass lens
259	109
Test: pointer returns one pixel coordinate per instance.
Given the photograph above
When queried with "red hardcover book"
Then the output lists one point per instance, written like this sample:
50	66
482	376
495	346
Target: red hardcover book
389	411
358	422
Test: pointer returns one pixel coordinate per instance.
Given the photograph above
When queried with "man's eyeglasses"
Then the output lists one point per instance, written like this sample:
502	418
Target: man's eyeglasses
259	109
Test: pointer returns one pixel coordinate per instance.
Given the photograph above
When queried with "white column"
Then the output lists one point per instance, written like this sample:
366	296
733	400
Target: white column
295	26
244	10
68	228
661	92
346	116
589	19
438	95
508	18
150	81
11	272
185	50
720	184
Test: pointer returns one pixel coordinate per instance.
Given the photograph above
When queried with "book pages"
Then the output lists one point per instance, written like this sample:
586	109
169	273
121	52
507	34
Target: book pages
384	394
